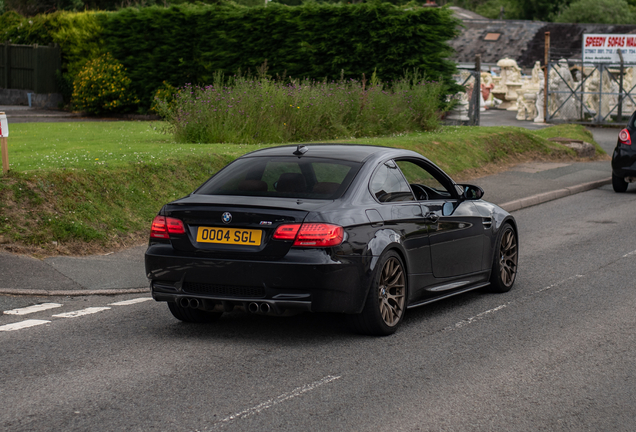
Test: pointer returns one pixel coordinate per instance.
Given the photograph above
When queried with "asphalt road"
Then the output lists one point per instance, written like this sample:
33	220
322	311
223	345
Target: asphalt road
556	353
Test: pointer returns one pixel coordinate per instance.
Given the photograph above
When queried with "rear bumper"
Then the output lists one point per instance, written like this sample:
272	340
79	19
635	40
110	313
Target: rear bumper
305	279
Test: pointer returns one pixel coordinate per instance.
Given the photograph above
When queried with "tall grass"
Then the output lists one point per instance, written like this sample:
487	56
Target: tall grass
245	109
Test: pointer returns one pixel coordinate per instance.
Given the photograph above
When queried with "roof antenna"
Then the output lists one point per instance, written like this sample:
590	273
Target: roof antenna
301	150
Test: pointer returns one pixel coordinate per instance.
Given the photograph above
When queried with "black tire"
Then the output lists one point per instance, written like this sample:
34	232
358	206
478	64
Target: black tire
619	184
504	265
193	315
386	302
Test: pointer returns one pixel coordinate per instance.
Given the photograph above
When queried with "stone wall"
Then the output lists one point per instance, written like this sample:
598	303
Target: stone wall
19	97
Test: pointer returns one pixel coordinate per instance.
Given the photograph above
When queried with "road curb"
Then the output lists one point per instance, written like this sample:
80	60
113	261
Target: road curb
43	293
552	195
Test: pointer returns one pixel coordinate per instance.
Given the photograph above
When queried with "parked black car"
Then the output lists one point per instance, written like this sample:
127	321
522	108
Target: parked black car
361	230
624	158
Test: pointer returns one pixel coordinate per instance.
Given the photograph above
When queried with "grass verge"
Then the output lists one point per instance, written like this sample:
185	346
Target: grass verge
80	188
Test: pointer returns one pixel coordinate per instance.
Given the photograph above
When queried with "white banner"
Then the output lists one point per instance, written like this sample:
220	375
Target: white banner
4	126
603	48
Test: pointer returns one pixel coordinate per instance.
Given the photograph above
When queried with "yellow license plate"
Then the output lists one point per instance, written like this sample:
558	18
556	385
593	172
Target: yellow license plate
229	236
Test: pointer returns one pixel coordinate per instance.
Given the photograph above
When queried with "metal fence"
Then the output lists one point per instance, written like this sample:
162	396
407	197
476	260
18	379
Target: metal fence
30	67
590	93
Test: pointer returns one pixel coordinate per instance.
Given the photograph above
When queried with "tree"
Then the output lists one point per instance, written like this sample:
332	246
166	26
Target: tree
492	9
597	12
34	7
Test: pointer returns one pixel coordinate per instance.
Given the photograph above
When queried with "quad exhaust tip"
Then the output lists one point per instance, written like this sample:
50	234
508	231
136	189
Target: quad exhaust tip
186	302
263	308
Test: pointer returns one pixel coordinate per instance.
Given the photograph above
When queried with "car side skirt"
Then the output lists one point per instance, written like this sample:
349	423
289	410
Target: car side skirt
447	295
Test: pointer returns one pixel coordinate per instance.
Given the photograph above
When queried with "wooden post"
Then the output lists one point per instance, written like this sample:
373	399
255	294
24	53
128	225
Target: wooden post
478	88
545	90
5	155
4	150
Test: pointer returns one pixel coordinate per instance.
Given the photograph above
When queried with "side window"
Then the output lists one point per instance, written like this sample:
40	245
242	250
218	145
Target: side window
425	186
388	184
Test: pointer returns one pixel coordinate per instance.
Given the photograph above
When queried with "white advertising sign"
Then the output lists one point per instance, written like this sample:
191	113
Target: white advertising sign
4	126
603	48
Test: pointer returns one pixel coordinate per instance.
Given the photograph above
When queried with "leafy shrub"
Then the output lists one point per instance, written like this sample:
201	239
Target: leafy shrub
262	110
164	95
102	86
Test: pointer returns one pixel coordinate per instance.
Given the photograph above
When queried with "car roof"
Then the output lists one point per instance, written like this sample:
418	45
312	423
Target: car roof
349	152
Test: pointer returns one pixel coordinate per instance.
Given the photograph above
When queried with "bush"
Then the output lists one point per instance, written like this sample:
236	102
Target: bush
102	86
164	95
262	110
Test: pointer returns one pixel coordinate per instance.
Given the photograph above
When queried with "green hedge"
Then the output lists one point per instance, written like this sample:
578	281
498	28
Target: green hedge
188	43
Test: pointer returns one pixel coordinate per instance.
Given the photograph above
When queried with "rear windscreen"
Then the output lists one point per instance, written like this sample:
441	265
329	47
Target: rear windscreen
289	177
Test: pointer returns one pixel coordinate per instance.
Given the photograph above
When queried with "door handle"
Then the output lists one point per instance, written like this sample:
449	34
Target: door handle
431	217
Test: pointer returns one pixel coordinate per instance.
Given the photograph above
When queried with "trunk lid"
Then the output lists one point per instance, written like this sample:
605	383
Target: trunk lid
236	227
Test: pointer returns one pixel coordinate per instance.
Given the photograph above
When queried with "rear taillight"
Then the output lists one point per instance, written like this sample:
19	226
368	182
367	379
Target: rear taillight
624	137
286	232
310	234
163	226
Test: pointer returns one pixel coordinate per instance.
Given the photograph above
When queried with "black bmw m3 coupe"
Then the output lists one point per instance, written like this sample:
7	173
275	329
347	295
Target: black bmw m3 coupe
361	230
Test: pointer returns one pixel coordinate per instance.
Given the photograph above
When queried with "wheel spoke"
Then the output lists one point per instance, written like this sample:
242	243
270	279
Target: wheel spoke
395	297
383	309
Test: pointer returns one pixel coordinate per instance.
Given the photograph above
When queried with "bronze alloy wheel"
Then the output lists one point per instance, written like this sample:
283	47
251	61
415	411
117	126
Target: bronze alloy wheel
508	258
391	292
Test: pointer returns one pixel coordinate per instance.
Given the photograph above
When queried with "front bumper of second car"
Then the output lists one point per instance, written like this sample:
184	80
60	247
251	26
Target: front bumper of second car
305	279
624	161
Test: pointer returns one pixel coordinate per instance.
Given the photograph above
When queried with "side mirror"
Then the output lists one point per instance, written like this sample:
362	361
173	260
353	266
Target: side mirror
471	192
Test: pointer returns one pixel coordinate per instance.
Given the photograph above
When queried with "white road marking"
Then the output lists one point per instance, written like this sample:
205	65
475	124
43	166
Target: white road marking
559	283
629	254
33	309
129	302
23	324
87	311
477	317
272	402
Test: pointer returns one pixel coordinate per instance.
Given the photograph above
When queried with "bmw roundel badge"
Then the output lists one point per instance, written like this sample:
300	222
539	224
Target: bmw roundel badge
226	217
